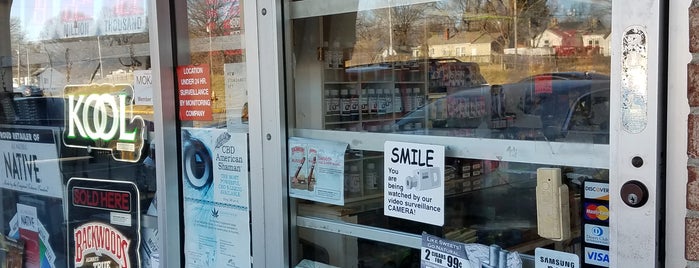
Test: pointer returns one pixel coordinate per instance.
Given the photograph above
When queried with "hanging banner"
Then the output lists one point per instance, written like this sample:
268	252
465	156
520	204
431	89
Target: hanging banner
104	223
317	170
413	182
194	89
123	17
216	198
30	158
50	20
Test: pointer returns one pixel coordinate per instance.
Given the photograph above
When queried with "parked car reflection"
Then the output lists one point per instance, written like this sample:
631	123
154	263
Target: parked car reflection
567	107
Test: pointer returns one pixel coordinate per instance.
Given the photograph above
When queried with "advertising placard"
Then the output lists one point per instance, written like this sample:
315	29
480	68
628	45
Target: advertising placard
216	202
437	252
595	223
547	258
104	223
236	97
100	117
27	227
123	17
317	170
194	84
143	87
30	158
413	182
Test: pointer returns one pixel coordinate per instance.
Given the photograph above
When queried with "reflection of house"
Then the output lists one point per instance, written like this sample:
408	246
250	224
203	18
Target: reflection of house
570	38
476	46
51	81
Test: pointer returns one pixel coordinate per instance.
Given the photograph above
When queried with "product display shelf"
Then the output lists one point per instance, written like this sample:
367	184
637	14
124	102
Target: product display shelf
375	97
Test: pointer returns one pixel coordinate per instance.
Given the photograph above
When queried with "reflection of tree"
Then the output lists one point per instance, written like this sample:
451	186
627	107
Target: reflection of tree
497	17
392	31
213	17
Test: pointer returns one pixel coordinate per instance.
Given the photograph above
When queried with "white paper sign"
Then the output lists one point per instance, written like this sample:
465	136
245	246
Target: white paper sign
143	87
414	182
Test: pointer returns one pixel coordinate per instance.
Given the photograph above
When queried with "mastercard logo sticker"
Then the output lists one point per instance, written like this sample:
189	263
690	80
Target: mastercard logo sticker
596	212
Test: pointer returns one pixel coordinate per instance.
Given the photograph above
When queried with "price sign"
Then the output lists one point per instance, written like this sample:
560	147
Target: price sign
437	252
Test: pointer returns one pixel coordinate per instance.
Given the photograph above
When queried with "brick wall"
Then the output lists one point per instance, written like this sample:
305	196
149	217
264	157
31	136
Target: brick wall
691	252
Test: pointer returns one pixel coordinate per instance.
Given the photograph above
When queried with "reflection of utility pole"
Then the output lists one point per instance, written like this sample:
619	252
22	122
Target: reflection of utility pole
515	25
27	64
99	52
19	81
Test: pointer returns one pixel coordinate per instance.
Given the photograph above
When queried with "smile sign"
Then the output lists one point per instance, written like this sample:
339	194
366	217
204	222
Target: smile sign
99	117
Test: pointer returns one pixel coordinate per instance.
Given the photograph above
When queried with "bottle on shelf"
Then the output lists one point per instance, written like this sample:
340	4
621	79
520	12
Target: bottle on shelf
345	105
353	184
338	61
371	179
388	99
354	105
334	105
373	103
328	56
364	103
381	102
397	101
419	98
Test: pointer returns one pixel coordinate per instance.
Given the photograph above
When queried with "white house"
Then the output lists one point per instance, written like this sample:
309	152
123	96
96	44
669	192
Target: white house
477	46
51	81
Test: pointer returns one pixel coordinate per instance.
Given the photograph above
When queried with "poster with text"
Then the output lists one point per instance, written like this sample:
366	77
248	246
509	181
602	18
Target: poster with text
236	97
143	87
216	206
27	227
414	182
104	223
194	84
317	170
30	158
48	19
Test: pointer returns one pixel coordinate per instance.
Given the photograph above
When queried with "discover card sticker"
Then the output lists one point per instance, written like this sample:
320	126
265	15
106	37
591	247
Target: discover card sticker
414	183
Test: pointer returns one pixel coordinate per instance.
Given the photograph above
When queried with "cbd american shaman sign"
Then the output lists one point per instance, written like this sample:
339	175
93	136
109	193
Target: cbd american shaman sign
104	223
100	117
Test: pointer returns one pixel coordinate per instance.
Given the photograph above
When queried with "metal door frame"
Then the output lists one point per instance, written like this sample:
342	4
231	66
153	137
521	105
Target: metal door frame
636	232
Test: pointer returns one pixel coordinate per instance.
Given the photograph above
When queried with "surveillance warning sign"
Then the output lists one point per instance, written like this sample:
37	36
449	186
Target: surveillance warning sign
104	223
414	182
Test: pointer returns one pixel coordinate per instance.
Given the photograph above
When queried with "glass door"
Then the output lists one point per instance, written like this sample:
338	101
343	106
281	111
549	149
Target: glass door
499	126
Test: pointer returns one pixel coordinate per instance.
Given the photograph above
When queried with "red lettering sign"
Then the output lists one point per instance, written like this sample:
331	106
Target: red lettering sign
96	198
194	90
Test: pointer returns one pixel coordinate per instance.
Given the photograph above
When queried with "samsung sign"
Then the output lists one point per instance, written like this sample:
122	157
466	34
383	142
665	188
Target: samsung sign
98	117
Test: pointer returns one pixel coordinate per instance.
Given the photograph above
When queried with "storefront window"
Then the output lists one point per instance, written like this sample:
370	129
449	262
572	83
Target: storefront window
213	115
76	135
497	93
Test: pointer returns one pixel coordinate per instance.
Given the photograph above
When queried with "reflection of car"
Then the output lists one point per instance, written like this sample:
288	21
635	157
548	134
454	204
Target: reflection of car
572	109
31	91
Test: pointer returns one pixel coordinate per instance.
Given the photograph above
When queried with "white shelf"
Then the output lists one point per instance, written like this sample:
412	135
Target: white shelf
317	8
536	152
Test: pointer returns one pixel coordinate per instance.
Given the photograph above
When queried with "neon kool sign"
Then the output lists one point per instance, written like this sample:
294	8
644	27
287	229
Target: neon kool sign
98	117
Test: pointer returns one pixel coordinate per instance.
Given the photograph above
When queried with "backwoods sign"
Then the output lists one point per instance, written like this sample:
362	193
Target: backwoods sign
104	220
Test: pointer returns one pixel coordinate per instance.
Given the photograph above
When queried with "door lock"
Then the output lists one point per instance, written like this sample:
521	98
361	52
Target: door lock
634	194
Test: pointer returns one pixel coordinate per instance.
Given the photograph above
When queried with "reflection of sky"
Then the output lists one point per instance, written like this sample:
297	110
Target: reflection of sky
582	9
38	15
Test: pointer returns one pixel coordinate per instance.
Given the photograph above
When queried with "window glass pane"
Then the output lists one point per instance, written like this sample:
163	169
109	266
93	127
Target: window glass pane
458	73
77	125
212	102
